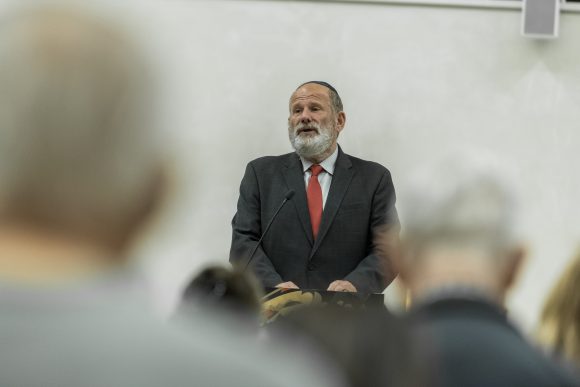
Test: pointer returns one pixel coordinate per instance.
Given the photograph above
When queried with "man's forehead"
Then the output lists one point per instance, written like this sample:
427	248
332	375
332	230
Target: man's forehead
310	91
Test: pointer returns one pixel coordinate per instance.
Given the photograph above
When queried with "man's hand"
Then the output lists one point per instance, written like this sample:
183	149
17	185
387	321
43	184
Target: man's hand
341	286
287	285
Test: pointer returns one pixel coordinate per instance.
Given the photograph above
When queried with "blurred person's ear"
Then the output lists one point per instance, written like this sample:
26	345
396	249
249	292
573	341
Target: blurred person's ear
153	198
398	252
514	262
390	249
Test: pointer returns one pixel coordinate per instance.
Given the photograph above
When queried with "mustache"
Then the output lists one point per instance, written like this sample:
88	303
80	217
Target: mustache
301	127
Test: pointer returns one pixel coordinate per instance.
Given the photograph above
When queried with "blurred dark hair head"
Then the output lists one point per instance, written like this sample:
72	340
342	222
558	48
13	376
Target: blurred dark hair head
224	289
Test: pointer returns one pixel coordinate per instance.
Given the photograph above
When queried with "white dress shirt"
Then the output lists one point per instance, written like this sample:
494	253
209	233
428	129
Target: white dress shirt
325	177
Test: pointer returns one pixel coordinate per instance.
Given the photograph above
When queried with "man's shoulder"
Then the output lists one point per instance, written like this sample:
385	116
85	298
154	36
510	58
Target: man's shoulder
367	165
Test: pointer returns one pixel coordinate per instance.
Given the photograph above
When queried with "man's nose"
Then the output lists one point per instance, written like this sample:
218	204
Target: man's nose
305	116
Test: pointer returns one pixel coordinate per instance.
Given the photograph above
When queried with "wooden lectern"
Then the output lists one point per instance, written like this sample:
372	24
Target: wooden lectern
279	302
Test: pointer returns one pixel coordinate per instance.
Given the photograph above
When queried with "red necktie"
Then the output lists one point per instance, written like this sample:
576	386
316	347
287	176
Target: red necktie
314	194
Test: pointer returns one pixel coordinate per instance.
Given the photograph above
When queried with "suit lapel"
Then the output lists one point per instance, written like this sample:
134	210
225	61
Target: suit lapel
341	179
295	180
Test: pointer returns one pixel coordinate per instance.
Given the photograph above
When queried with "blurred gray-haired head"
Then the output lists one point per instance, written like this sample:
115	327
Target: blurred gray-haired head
78	150
464	200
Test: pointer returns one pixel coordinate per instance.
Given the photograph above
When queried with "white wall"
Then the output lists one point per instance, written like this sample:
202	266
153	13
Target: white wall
414	80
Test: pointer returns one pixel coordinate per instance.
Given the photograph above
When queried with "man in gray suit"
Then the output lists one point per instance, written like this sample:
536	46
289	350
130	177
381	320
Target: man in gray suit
460	255
324	238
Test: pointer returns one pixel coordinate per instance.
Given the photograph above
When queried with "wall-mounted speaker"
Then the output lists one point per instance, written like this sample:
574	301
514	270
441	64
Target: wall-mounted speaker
541	19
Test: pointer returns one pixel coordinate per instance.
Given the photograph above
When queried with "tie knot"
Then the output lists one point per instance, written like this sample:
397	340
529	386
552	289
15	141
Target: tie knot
316	169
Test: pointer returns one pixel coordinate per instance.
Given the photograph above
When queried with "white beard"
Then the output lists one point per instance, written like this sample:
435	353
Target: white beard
311	146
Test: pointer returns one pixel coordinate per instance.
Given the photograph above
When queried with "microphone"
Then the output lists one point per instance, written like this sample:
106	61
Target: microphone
287	197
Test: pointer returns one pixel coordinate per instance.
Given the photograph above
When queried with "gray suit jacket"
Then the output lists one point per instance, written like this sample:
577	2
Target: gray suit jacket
360	202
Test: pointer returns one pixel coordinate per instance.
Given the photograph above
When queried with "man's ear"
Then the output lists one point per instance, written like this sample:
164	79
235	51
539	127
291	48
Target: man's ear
340	121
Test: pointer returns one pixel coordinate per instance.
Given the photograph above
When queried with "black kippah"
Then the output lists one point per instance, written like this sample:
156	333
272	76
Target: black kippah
321	83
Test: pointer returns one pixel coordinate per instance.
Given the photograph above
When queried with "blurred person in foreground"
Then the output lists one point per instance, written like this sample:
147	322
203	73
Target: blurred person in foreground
559	328
458	257
81	172
234	294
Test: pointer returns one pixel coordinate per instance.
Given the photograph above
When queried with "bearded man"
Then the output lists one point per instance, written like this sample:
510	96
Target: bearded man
324	237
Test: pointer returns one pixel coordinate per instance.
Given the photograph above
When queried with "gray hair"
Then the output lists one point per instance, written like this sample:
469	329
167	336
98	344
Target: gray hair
77	147
463	200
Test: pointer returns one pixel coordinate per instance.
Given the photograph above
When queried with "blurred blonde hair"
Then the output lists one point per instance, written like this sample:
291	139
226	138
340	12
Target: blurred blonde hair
560	319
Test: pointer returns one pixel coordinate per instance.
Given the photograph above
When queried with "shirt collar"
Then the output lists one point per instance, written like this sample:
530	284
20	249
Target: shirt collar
454	291
328	163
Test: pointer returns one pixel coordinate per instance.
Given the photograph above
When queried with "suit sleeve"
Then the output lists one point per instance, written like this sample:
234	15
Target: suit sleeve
376	271
247	229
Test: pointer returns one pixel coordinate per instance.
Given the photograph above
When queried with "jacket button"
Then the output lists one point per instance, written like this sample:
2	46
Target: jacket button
310	266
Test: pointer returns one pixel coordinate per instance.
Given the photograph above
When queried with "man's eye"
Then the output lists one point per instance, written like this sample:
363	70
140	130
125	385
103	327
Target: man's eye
297	110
